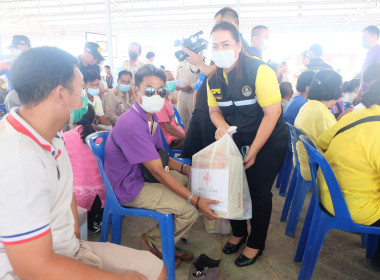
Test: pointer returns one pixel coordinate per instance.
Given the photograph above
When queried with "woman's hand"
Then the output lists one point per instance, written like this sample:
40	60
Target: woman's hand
221	131
249	160
204	207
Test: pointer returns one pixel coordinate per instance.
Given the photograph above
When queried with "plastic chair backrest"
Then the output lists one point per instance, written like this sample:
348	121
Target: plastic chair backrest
164	142
294	138
3	109
97	150
316	159
178	117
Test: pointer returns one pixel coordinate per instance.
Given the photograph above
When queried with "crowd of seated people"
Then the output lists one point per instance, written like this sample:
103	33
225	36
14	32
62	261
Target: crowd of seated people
60	172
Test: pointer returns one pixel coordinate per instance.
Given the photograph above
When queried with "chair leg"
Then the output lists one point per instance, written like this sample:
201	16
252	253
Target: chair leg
305	231
106	222
318	231
364	240
167	241
372	244
117	223
300	193
286	175
289	197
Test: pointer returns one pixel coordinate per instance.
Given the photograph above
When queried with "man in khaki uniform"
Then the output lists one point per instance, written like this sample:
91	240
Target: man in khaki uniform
133	63
120	99
188	74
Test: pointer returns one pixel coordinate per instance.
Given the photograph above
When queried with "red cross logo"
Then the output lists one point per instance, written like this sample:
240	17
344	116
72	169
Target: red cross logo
207	178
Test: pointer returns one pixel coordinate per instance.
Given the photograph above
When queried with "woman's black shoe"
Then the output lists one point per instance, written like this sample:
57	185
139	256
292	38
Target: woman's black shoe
230	248
244	261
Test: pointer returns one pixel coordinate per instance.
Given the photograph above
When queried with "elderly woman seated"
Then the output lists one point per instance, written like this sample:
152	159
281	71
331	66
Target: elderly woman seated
354	156
315	116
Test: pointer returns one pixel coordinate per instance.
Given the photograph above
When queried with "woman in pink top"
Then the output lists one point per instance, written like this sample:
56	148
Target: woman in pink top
173	132
89	189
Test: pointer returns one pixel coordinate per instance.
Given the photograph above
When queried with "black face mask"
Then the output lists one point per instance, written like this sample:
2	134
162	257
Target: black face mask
132	55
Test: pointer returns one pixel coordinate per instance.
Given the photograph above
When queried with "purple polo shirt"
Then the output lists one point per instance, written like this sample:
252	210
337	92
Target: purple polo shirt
373	56
137	145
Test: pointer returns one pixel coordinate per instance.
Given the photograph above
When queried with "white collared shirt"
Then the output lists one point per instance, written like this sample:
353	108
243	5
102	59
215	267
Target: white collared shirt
36	189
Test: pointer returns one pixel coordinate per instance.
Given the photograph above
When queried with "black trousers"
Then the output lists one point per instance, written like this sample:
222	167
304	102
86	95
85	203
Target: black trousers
377	254
200	134
261	176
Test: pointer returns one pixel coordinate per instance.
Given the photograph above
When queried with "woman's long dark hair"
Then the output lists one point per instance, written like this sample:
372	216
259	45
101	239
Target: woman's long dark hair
86	123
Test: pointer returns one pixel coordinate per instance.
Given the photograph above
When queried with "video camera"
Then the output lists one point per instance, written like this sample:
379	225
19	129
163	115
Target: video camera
193	43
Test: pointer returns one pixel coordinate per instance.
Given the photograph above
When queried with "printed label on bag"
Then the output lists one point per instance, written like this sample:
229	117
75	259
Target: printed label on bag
211	184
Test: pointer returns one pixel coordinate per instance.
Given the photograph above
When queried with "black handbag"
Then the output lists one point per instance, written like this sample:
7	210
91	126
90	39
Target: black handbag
148	177
204	268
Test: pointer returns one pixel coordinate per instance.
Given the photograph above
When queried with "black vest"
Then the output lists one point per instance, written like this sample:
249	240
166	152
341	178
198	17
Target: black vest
238	101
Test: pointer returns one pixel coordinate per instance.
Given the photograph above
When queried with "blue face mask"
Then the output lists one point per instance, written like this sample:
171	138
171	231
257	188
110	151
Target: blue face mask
93	91
124	88
170	86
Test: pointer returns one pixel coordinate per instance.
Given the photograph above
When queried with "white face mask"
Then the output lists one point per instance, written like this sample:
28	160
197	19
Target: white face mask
224	59
16	52
265	45
152	104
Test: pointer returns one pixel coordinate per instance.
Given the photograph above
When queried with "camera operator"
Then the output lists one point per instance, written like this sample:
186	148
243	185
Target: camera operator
188	74
201	132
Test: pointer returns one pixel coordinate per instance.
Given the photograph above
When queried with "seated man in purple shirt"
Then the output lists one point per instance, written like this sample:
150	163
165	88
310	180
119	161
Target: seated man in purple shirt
132	144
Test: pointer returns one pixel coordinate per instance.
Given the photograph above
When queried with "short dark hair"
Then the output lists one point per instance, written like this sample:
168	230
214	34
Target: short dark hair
36	72
349	86
371	73
304	80
284	63
227	27
228	13
372	96
326	85
89	76
150	55
316	49
107	66
149	70
285	88
137	44
372	29
257	30
124	72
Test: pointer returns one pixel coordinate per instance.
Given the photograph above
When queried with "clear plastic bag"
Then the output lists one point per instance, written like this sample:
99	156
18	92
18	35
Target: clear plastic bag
218	173
221	226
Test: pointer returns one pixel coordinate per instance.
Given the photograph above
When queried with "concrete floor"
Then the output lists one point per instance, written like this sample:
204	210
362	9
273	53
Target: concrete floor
341	256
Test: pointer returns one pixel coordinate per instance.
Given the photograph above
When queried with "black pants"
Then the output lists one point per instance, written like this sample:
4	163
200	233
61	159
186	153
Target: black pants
261	176
200	134
377	254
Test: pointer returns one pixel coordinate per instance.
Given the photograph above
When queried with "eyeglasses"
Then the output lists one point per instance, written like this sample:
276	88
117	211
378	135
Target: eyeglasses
150	91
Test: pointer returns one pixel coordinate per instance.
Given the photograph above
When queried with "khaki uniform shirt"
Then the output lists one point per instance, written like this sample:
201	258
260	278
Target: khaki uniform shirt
117	102
188	73
132	68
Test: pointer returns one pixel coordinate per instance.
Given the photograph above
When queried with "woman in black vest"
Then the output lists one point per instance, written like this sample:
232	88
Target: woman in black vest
244	92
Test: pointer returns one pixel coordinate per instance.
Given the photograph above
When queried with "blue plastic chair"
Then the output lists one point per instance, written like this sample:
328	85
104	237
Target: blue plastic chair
172	152
298	189
178	117
319	221
285	171
115	212
3	109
